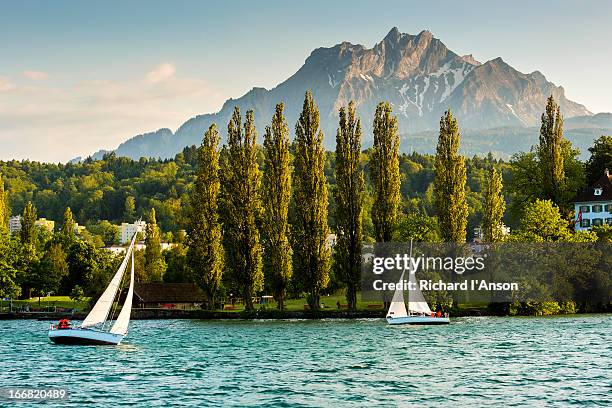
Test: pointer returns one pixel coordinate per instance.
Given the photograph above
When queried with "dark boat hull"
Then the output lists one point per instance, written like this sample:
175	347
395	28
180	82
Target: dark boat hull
83	336
418	320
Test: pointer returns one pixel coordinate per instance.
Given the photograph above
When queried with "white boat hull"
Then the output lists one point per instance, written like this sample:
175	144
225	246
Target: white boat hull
79	335
418	320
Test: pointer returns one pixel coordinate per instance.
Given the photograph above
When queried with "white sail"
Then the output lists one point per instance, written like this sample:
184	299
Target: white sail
416	301
99	312
123	320
398	307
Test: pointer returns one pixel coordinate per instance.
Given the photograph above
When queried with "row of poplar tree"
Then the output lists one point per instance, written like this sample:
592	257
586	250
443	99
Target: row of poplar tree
239	215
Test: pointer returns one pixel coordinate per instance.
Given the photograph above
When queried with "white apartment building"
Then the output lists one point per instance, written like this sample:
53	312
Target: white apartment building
15	224
46	224
594	206
127	230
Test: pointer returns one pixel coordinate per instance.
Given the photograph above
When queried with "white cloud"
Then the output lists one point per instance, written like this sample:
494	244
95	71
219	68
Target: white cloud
161	73
35	75
50	122
5	84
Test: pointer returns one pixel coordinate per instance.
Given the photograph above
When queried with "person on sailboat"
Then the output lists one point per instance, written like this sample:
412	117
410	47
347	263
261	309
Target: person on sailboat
63	324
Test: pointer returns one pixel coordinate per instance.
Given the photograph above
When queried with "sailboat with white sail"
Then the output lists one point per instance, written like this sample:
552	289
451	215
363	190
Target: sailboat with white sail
418	311
96	328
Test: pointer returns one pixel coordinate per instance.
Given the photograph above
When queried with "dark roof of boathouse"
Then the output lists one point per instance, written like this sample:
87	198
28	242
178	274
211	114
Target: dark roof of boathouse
168	293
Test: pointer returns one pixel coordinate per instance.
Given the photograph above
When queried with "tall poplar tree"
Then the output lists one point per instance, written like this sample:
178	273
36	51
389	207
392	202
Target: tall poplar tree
4	209
155	266
311	254
348	195
494	207
385	173
241	201
27	270
9	286
205	250
276	194
129	211
550	153
449	182
28	227
51	269
68	224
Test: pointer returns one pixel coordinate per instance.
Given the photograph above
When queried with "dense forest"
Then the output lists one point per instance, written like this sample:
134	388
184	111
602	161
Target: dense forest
119	189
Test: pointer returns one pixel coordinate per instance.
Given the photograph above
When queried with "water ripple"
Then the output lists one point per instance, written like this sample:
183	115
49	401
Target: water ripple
473	362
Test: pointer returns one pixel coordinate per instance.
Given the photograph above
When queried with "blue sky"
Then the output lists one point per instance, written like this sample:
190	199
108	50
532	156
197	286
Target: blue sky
77	76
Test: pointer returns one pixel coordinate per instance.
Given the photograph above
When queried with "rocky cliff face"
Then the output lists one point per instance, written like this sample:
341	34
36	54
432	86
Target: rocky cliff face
416	73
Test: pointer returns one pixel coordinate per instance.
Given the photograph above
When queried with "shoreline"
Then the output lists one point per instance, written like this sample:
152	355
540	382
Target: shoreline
273	314
155	314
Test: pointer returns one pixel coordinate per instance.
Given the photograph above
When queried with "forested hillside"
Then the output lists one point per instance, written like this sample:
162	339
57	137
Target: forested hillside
119	189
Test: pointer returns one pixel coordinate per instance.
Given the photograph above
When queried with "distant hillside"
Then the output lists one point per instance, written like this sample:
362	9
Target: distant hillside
502	142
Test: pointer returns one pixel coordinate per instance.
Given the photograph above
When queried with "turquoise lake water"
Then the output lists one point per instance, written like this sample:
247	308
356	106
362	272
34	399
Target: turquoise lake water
472	362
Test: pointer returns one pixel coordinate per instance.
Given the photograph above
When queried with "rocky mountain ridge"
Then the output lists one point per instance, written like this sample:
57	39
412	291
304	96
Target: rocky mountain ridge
417	74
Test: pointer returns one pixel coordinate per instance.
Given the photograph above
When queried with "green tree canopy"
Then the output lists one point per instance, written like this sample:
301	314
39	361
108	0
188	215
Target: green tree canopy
494	207
4	208
276	194
550	153
348	196
109	233
526	181
205	251
449	182
240	198
155	266
77	293
28	226
603	232
130	209
29	257
600	160
385	172
68	224
542	221
52	268
417	226
8	273
178	269
311	255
